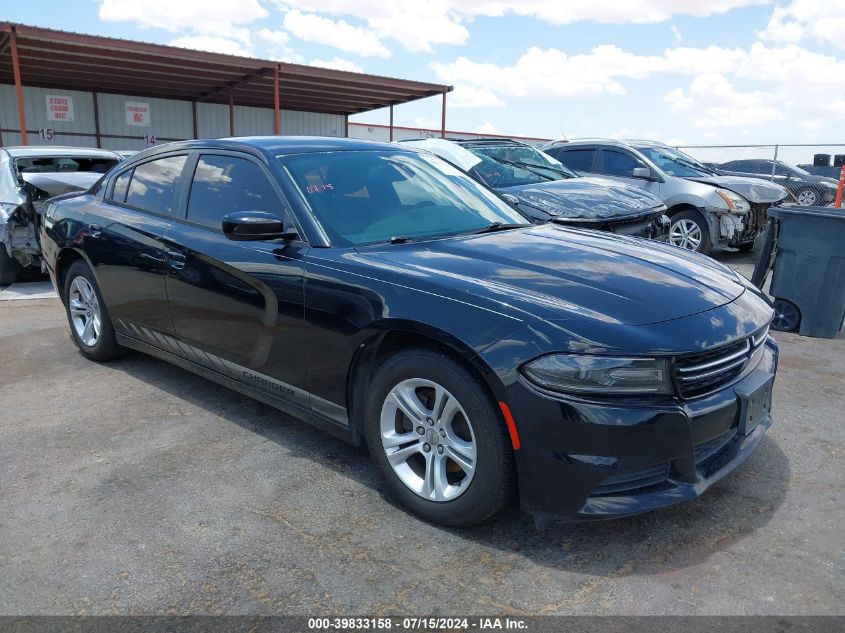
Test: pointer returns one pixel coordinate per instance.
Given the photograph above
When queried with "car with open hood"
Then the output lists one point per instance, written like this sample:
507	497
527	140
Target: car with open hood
28	177
380	293
544	190
706	209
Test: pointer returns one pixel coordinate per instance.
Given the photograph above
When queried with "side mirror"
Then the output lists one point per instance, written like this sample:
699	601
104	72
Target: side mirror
256	225
641	172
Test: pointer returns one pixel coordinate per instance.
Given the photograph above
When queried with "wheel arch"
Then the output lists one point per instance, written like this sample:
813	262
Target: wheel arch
710	220
64	260
394	334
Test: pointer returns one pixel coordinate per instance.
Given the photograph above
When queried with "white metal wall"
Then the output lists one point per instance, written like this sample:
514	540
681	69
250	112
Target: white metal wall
169	119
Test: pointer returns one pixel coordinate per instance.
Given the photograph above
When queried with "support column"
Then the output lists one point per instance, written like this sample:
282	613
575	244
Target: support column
231	112
194	117
391	122
345	126
443	118
277	113
16	71
97	120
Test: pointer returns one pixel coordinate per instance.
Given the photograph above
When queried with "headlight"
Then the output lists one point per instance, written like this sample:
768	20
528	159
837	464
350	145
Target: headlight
736	203
830	185
607	375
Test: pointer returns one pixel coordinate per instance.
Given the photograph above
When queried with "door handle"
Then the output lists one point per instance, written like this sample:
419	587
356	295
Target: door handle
94	230
174	259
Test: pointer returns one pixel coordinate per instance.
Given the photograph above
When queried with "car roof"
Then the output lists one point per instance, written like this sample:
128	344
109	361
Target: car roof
273	144
488	141
593	141
29	151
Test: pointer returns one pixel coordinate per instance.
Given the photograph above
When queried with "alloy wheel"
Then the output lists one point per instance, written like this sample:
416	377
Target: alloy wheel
807	198
428	439
84	311
686	234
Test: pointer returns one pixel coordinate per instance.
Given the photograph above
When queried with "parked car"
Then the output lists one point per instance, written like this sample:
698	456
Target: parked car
807	189
826	171
383	295
706	209
545	190
28	177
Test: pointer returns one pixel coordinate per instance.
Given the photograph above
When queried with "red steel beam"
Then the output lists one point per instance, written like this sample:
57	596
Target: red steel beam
443	118
391	122
231	113
277	112
16	70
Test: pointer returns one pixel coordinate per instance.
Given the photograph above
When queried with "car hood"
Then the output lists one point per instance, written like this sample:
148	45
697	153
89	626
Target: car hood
56	183
752	189
557	273
585	198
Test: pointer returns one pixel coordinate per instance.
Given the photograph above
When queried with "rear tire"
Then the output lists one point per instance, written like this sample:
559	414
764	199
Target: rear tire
424	409
90	325
10	268
690	230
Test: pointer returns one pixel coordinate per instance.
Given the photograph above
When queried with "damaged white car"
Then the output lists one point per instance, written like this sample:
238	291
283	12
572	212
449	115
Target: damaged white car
706	209
29	176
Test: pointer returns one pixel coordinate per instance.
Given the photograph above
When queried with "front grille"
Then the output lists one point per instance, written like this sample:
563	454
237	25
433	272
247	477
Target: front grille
708	449
699	374
633	481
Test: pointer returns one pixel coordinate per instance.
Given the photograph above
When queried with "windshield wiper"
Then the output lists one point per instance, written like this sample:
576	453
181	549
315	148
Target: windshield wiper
526	167
497	226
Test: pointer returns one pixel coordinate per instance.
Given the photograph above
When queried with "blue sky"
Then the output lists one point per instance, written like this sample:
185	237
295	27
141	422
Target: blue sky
682	71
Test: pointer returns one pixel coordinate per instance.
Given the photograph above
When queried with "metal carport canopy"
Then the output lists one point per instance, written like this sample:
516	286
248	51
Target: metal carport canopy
52	58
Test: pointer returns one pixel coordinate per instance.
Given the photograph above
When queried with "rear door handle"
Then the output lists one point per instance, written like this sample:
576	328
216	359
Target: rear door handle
174	259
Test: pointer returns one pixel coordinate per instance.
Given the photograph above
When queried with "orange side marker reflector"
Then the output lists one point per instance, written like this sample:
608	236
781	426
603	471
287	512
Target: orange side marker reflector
511	425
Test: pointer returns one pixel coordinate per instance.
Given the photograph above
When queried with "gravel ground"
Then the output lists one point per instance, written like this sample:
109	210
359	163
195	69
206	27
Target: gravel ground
136	487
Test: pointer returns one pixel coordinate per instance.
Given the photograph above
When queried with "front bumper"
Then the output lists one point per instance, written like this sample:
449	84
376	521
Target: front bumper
585	460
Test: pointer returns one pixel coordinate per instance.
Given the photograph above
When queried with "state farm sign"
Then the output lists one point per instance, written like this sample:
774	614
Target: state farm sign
59	108
137	114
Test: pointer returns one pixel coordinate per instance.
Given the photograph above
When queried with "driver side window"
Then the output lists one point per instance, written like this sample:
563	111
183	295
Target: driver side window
223	184
616	163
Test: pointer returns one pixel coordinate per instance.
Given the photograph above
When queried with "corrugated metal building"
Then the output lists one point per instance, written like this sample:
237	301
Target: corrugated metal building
67	88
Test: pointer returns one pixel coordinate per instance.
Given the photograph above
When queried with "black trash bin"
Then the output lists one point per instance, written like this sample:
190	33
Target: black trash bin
805	246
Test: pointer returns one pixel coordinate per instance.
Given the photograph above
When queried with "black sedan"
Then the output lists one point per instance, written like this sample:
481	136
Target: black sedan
383	295
807	189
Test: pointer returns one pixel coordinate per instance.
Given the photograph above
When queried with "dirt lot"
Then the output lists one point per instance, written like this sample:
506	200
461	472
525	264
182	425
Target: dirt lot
136	487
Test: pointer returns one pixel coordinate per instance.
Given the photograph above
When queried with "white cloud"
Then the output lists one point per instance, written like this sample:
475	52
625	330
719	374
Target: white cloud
339	34
607	11
211	44
823	21
337	64
713	102
199	15
553	73
487	128
277	38
465	96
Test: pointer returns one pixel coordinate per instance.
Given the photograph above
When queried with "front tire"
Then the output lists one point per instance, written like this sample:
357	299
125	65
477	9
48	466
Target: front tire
438	438
689	230
10	269
90	325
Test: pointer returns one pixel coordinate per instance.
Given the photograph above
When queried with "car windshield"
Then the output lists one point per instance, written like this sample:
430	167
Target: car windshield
675	163
54	164
369	197
526	164
794	171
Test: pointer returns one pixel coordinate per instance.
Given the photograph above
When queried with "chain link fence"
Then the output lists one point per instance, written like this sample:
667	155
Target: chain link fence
809	172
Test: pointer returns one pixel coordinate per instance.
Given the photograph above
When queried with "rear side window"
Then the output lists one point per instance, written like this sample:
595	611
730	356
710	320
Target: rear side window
616	163
121	186
223	184
575	159
155	185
